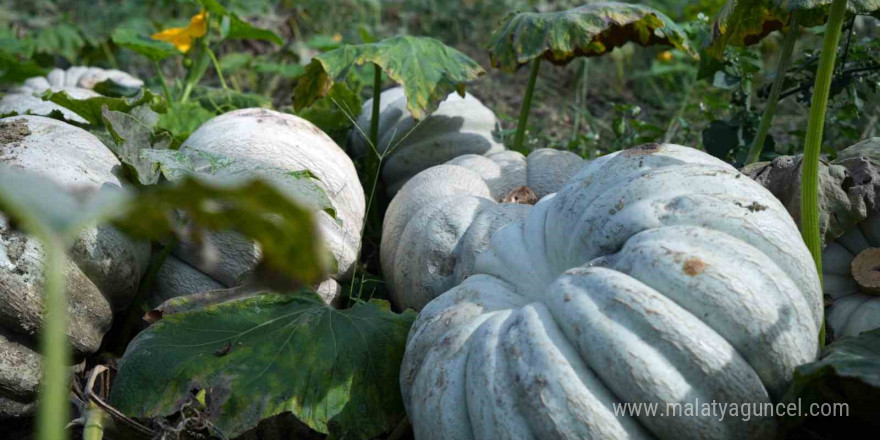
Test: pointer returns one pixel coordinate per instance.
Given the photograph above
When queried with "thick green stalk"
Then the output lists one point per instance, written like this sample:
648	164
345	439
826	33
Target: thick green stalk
374	121
162	80
94	425
527	103
52	410
815	126
775	91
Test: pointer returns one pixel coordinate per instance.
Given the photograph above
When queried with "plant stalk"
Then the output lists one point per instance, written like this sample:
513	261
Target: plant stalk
217	68
377	100
775	91
527	103
52	409
815	126
162	80
94	425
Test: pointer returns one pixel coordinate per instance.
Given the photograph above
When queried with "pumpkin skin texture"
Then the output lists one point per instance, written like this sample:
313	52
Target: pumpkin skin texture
459	126
443	217
268	138
77	81
656	274
102	272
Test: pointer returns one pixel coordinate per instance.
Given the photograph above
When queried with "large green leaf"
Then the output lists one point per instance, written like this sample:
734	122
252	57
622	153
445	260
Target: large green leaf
427	69
286	231
91	108
746	22
183	118
61	39
590	30
152	49
847	372
175	165
233	27
335	370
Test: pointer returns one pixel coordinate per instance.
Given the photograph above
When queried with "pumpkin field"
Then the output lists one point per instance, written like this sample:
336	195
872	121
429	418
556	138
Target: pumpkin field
439	219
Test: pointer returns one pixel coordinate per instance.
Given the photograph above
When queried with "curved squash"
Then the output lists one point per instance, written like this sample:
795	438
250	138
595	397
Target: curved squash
442	218
78	82
268	138
459	126
103	270
658	274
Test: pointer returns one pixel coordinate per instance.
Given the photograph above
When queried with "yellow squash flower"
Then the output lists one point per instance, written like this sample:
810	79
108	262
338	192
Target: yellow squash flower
182	38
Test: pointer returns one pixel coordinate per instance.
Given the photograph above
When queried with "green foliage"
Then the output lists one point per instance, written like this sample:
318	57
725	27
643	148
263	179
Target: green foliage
183	118
225	100
233	27
152	49
335	112
61	39
91	108
848	371
15	59
590	30
335	370
132	132
427	69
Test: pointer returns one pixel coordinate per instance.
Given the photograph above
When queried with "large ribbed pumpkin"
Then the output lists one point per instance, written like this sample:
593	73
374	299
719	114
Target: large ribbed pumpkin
443	217
658	274
102	273
77	81
266	138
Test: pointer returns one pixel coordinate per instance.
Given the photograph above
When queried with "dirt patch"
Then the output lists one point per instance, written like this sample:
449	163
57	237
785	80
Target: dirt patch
14	132
694	266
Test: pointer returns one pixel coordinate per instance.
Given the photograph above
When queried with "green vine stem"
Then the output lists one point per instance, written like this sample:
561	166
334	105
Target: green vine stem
162	80
94	424
775	91
217	67
374	121
815	126
52	409
527	103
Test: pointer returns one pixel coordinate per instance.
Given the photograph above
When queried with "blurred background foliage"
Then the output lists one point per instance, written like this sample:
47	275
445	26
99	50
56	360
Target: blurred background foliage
635	95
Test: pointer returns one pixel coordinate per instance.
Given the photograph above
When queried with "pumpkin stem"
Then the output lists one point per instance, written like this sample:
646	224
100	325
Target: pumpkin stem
522	195
815	126
866	270
527	103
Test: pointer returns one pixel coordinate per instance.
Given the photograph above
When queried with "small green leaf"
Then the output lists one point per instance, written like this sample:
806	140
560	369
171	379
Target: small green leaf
225	100
90	108
590	30
427	69
114	89
286	231
133	132
337	371
182	118
335	111
233	27
152	49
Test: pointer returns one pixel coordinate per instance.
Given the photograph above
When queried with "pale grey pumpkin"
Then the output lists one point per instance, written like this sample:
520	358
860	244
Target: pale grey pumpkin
103	270
264	138
459	126
77	81
657	274
443	217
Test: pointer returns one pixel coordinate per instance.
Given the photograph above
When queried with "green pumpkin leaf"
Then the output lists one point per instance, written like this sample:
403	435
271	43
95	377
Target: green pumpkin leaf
746	22
848	371
152	49
182	118
225	100
91	108
133	132
259	210
587	31
233	27
301	186
427	69
336	111
337	371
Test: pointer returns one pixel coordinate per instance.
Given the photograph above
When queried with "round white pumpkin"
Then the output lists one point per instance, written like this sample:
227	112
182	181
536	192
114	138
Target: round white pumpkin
443	217
103	270
77	81
656	275
459	126
267	138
